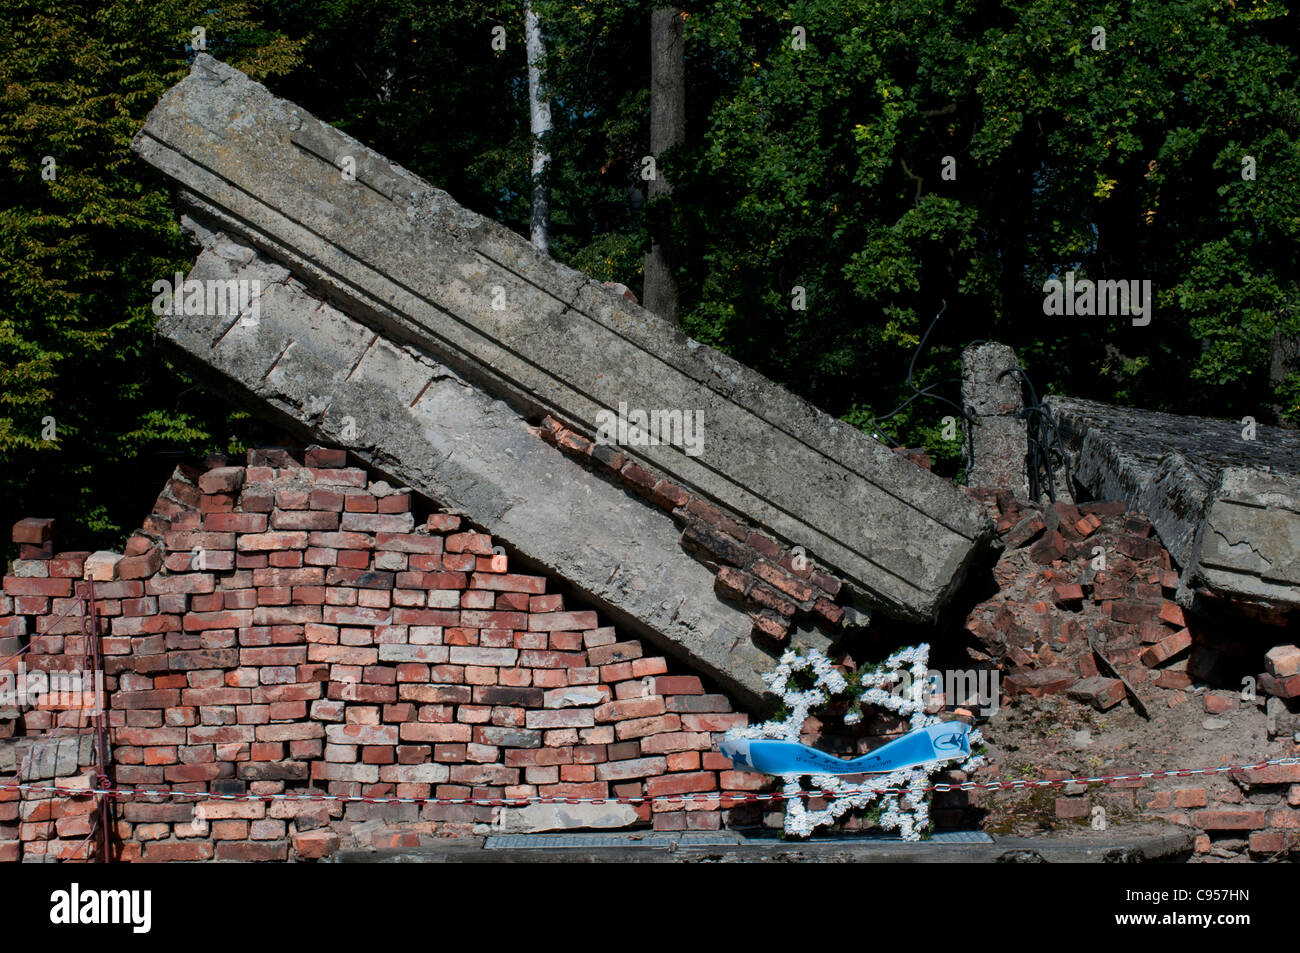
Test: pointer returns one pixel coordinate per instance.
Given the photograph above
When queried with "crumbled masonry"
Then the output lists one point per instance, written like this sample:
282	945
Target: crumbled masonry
450	585
411	272
1079	580
290	626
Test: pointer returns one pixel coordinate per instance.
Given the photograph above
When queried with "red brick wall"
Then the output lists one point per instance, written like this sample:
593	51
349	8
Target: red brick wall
286	628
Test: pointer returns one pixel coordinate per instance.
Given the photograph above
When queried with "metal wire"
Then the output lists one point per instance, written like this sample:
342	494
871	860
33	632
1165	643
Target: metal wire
1047	450
1044	440
927	391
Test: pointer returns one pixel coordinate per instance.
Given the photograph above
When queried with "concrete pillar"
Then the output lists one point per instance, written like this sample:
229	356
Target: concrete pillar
999	443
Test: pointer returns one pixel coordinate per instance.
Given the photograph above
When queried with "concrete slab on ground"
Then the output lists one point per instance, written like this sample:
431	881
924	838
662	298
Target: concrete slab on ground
1224	498
1141	844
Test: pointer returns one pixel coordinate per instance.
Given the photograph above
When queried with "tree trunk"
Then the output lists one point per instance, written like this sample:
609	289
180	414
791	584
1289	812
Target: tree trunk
539	118
667	129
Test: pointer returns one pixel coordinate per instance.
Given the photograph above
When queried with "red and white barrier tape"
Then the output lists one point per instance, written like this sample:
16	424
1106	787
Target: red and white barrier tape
729	799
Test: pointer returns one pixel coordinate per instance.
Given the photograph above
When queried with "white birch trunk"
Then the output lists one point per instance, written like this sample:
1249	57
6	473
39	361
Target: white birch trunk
539	115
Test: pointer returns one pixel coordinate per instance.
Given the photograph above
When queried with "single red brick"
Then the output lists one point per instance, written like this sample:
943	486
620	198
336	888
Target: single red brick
1132	611
1283	661
678	685
656	665
177	851
764	546
639	478
768	598
222	480
360	502
1172	613
142	566
1268	842
33	530
551	603
480	544
1173	680
1166	649
793	588
37	586
1221	820
1039	682
1067	593
1218	703
669	495
1288	687
323	458
68	565
829	611
1087	525
262	542
1098	691
770	627
1048	549
313	845
1072	807
235	522
732	583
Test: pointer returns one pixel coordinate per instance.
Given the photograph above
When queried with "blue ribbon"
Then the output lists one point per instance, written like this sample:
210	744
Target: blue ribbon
932	744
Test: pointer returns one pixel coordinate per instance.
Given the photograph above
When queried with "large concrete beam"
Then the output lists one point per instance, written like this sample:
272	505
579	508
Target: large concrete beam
402	257
1226	506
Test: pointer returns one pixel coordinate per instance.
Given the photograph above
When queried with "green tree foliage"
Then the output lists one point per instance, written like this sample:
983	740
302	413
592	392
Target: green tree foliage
821	167
818	165
424	84
813	160
89	410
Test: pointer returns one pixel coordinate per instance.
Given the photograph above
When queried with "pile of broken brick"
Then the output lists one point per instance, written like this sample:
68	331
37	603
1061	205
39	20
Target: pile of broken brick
1086	604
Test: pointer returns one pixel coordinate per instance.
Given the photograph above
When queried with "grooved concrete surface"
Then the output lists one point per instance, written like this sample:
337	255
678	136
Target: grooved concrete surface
1142	844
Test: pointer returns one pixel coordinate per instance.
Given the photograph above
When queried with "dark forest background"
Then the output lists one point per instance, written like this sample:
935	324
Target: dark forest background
816	167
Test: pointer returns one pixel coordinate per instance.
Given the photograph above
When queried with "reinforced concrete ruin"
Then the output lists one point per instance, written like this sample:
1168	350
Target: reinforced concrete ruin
426	339
477	610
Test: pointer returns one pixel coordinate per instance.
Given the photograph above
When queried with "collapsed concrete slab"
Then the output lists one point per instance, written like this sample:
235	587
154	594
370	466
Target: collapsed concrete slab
393	322
318	372
1224	496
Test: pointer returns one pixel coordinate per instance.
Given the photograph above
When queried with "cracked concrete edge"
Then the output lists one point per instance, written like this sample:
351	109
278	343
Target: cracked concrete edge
1233	530
1250	544
322	375
903	536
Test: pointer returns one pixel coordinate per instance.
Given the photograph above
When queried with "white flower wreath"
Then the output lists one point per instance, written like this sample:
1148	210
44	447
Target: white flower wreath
905	807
